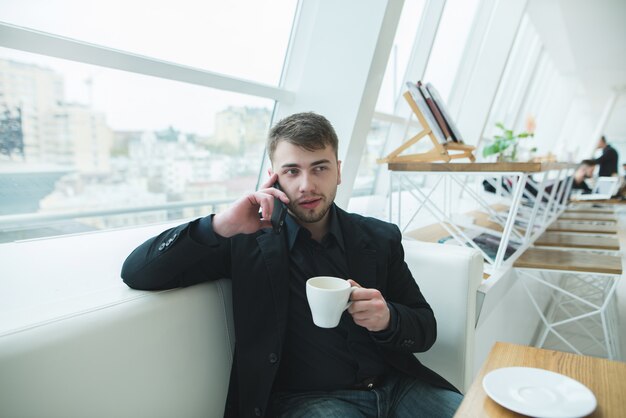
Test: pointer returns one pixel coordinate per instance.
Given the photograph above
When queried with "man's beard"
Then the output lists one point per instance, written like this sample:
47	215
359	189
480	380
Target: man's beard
308	216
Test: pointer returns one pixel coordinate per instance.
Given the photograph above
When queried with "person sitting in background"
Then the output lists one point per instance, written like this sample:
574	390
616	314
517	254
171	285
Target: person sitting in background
608	160
583	172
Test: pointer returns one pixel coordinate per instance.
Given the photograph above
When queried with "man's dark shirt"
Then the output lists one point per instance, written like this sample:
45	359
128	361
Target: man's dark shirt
317	358
607	162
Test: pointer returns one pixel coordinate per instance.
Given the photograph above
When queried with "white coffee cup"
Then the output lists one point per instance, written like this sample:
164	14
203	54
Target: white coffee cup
328	297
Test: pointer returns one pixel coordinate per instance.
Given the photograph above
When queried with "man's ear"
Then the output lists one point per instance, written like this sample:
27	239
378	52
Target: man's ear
338	172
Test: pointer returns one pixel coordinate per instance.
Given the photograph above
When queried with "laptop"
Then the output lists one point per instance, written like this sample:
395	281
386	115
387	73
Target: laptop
604	188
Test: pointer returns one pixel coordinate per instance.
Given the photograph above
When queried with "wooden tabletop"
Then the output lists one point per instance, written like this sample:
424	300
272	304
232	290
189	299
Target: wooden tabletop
562	226
548	259
479	167
579	210
484	219
601	202
435	232
553	239
428	233
605	378
594	217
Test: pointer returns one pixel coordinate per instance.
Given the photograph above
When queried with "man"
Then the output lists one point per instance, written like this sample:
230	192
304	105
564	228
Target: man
284	365
608	159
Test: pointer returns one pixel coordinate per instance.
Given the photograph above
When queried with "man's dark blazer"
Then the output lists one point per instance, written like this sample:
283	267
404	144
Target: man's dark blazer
258	265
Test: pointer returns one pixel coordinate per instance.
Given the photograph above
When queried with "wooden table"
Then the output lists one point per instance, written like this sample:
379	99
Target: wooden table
605	378
555	239
600	202
562	226
589	209
549	259
586	216
499	167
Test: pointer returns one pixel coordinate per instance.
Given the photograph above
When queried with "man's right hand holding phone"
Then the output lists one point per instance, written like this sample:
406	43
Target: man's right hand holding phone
242	217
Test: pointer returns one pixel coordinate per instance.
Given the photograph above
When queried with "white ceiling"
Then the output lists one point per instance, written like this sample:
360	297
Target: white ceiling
587	41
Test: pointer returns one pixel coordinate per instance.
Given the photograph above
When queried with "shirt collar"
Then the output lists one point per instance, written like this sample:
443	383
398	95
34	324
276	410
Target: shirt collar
293	228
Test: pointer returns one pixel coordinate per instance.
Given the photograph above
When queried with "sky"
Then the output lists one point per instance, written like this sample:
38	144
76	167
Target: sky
242	38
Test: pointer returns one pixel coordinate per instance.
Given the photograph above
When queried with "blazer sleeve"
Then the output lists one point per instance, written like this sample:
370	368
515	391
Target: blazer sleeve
413	326
181	256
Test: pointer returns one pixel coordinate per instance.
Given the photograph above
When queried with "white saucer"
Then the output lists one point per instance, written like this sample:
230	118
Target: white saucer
539	393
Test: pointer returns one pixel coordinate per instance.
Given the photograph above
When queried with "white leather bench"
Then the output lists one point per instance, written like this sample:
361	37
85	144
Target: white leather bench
77	342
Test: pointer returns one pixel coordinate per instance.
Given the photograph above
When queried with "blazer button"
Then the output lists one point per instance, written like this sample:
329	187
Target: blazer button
257	411
273	358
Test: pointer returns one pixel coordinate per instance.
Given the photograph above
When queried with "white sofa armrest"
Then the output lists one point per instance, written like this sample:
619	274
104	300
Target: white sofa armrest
449	277
75	341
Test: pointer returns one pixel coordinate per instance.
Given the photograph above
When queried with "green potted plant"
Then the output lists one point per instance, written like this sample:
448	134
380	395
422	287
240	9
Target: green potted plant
504	145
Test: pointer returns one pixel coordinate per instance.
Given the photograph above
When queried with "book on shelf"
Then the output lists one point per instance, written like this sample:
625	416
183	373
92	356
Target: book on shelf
420	101
434	109
454	131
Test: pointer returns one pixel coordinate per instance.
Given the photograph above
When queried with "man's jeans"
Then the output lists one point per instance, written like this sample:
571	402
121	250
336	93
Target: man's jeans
397	396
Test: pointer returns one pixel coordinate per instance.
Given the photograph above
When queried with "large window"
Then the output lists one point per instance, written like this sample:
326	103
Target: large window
241	38
452	34
85	147
390	92
392	87
513	89
447	51
96	139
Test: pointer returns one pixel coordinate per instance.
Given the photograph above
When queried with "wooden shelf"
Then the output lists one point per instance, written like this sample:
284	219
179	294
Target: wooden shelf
605	211
483	219
547	259
435	232
585	228
593	217
430	233
550	239
600	202
477	167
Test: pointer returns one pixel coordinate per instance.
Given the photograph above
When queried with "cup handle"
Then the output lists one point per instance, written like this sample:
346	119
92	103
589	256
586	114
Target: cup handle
349	301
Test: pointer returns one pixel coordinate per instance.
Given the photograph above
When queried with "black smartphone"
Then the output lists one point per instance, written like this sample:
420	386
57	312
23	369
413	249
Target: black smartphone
279	213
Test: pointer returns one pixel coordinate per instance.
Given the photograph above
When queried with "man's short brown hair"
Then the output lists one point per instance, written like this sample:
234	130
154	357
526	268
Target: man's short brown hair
307	130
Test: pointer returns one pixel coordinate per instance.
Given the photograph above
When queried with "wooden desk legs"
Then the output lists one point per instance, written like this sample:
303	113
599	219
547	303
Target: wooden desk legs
581	309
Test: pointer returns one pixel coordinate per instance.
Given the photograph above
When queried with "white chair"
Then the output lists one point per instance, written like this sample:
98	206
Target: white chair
448	276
